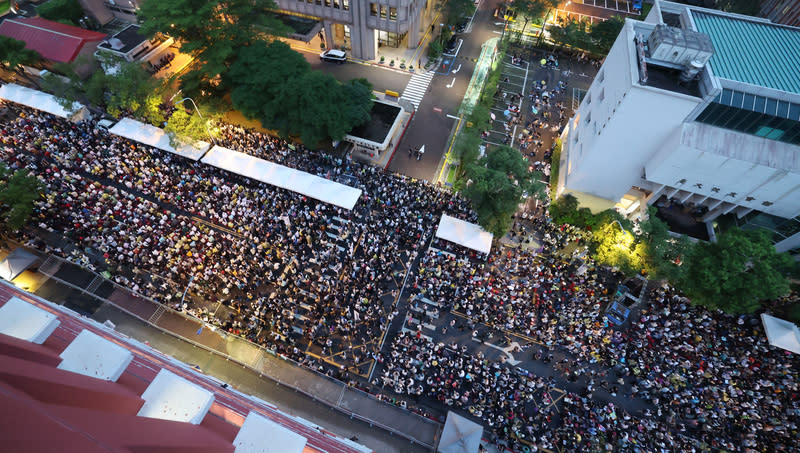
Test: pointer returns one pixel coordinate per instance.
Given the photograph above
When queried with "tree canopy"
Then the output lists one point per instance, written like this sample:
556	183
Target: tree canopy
65	11
274	84
13	54
496	187
18	191
213	30
737	272
533	10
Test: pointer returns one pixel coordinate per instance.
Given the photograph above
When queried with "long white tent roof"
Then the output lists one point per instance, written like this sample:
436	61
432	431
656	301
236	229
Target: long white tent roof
157	138
464	233
781	333
284	177
41	101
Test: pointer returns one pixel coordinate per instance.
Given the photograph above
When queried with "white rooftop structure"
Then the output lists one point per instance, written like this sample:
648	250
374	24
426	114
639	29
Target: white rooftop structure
171	397
781	333
22	320
460	435
464	233
91	355
157	138
42	101
259	434
287	178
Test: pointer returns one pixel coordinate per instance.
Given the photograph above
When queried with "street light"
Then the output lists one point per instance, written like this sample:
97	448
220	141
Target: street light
201	117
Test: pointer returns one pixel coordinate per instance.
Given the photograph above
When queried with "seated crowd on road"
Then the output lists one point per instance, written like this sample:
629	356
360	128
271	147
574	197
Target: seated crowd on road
296	272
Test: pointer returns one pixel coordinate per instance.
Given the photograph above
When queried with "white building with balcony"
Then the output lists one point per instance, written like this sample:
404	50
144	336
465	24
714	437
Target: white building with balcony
697	108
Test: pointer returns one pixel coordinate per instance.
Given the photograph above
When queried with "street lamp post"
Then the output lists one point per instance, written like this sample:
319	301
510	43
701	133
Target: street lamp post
201	117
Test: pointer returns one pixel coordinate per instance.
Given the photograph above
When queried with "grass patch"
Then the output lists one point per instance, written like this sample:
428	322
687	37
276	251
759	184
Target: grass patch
555	163
646	7
5	5
451	174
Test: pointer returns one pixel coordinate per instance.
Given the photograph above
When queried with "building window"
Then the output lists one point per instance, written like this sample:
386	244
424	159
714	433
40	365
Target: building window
390	39
327	3
336	4
588	98
602	76
318	2
602	94
383	11
346	5
373	9
589	118
392	13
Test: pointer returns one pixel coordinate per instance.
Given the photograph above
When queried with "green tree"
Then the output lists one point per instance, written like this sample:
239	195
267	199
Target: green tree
258	77
186	125
664	254
18	191
533	10
604	33
213	31
121	87
65	11
617	247
455	9
496	187
13	55
737	272
357	107
275	84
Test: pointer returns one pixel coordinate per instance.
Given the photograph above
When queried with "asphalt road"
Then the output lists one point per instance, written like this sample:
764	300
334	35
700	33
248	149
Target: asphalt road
431	125
380	78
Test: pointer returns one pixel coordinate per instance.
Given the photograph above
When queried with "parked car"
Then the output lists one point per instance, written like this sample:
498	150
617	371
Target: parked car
452	44
334	56
461	25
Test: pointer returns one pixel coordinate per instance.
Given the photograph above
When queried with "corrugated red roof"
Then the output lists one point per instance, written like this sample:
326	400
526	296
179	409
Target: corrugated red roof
53	40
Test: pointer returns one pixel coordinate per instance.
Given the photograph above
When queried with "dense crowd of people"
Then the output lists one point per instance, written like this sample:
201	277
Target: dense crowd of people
294	271
710	378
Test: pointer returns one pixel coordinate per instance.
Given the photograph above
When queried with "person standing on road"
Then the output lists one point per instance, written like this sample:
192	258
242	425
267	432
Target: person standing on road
420	152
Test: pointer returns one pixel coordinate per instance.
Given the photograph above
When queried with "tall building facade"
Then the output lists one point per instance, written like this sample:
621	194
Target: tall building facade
697	107
363	26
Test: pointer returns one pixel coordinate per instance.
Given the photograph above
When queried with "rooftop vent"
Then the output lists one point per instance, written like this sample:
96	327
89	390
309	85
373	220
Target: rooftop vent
685	48
115	43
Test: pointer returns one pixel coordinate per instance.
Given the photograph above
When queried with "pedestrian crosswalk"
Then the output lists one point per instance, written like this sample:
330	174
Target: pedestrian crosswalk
417	86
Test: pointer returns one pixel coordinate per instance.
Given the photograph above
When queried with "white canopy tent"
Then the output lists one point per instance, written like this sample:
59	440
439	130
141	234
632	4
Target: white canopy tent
157	138
781	333
259	434
460	435
17	262
287	178
42	101
464	233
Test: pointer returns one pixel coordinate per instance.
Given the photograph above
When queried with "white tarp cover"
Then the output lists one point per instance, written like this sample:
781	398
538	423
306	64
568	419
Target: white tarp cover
42	101
464	233
460	435
25	321
287	178
91	355
259	434
781	333
171	397
157	138
16	263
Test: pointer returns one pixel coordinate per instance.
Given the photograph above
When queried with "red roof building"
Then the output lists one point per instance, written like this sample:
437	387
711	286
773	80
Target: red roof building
54	41
70	384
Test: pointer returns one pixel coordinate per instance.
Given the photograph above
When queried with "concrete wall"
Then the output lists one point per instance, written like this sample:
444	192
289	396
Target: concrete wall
412	17
714	172
620	125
